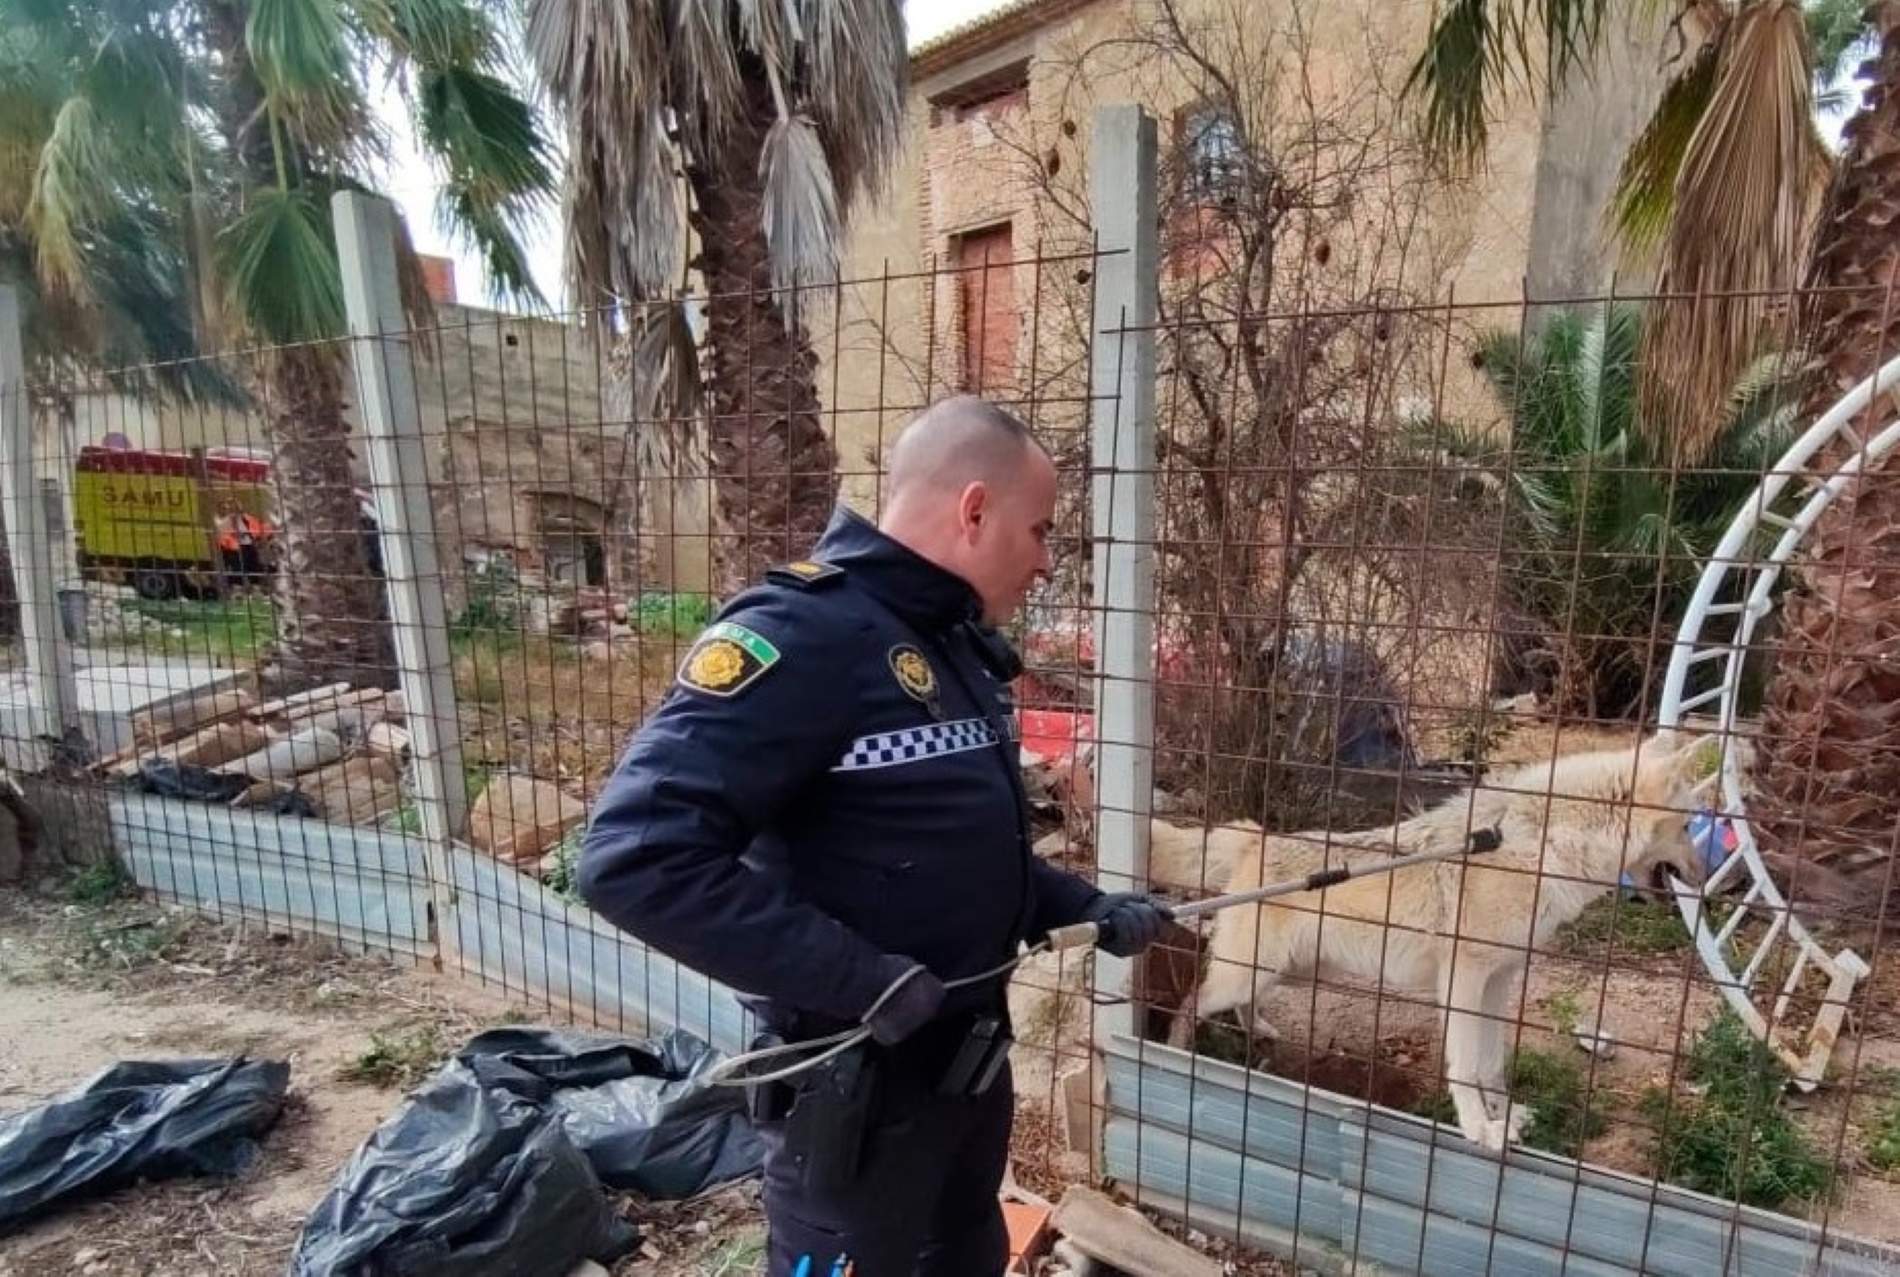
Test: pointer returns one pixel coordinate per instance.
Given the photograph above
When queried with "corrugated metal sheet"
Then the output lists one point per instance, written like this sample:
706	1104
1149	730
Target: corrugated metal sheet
1363	1189
371	888
359	885
1266	1159
512	931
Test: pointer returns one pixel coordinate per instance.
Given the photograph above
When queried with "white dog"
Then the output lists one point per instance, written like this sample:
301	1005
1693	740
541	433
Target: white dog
1459	931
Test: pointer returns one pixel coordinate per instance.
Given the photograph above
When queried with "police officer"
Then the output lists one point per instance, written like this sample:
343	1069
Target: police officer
827	814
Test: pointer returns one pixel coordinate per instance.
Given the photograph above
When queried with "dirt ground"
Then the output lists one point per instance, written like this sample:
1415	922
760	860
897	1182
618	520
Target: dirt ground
84	986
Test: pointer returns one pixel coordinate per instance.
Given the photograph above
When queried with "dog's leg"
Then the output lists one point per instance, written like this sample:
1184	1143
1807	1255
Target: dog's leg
1501	994
1466	1048
1228	986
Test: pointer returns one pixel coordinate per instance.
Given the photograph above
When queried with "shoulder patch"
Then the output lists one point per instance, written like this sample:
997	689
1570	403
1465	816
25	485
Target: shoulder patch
805	573
727	659
914	674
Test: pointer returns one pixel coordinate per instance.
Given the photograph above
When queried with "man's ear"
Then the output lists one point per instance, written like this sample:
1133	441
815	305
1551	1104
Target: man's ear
973	505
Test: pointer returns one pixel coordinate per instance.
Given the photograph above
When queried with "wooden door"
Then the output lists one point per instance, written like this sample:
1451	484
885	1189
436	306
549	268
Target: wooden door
986	283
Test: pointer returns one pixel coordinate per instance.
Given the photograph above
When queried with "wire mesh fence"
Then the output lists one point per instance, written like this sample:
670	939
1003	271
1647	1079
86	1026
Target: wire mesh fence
345	637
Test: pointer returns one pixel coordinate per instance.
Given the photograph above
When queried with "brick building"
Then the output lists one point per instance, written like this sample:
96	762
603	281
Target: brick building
944	289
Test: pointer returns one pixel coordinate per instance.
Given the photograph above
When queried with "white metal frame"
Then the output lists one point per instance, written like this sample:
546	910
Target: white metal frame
1792	508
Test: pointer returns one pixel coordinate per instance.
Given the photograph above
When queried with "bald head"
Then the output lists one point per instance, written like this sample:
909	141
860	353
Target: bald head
956	442
971	490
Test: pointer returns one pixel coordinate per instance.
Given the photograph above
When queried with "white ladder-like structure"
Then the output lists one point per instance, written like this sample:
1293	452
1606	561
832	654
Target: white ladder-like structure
1748	582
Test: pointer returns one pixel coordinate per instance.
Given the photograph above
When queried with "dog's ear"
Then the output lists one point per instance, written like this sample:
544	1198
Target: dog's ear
1672	765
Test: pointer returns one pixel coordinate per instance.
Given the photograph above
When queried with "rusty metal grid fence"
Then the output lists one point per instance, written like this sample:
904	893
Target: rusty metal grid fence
343	639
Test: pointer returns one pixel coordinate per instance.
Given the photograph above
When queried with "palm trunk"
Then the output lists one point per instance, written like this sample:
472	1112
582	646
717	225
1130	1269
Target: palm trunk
330	609
774	469
1829	766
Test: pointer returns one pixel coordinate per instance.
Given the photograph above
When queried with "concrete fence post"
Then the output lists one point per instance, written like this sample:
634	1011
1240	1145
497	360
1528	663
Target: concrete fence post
52	690
399	476
1122	472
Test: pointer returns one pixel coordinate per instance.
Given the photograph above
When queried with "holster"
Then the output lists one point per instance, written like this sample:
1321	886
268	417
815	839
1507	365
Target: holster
831	1118
979	1057
769	1101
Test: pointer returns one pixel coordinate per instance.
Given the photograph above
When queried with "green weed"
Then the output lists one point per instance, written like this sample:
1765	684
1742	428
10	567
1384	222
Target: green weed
560	874
740	1257
680	615
110	943
1883	1142
1563	1115
1436	1107
1565	1010
1734	1140
100	883
235	630
1644	927
397	1059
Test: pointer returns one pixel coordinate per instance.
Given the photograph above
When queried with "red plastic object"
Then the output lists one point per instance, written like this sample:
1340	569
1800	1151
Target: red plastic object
1055	735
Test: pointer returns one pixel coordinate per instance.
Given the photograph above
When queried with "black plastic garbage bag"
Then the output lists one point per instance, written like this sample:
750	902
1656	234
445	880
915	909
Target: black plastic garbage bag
642	1113
168	779
497	1164
463	1179
137	1120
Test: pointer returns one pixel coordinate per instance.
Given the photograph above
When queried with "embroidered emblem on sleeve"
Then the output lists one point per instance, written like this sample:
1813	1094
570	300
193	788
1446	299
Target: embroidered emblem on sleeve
727	659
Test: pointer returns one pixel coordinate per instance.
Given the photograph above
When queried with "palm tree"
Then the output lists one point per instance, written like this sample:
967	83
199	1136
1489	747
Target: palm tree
225	125
747	129
1721	187
1828	784
1828	776
1607	542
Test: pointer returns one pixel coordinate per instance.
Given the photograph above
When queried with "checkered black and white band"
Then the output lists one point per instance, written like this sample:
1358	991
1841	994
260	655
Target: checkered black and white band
914	744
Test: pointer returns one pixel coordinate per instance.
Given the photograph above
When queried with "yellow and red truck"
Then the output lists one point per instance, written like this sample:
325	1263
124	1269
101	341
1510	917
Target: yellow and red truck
149	519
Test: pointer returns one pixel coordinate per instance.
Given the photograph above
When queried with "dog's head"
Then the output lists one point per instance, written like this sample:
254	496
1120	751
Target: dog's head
1671	782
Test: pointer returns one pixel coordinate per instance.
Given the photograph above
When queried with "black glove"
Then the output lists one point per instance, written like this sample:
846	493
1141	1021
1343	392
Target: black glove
1126	922
909	1003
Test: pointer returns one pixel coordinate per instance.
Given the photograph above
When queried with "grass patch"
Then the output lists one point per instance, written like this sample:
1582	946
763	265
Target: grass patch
560	873
1563	1114
407	818
740	1257
100	884
681	615
397	1059
236	630
1734	1140
1627	926
1565	1009
1436	1107
109	943
1883	1142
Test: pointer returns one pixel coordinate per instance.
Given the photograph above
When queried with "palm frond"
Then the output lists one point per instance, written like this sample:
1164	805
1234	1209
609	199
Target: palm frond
433	32
771	30
279	265
1745	194
1463	65
1645	197
604	64
854	89
666	385
1479	49
72	188
300	55
800	212
705	72
496	162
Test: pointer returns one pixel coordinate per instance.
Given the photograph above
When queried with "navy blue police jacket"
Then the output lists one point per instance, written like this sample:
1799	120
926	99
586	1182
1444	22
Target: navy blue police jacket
831	794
